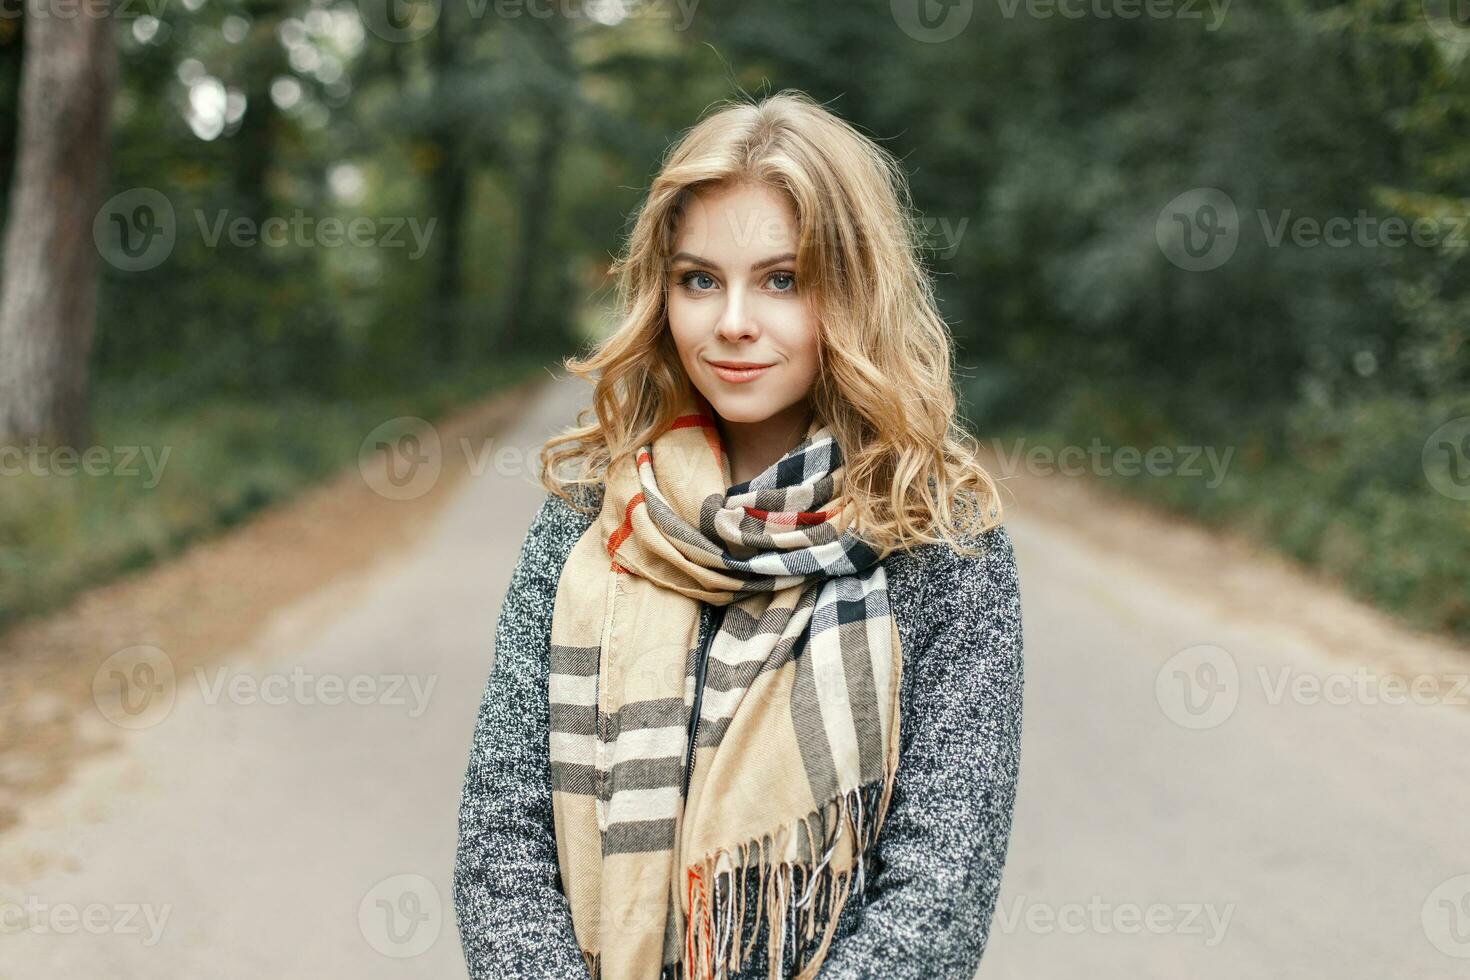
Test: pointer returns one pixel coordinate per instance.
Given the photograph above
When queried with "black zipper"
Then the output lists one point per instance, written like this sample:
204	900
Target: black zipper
701	665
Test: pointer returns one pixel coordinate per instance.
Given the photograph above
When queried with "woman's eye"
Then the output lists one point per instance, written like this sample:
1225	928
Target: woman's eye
704	280
783	281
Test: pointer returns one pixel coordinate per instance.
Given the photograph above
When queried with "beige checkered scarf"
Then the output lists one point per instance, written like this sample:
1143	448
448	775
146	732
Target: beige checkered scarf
797	738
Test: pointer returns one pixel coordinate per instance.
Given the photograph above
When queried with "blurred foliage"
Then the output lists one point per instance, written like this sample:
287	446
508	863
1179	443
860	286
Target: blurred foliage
178	478
1043	150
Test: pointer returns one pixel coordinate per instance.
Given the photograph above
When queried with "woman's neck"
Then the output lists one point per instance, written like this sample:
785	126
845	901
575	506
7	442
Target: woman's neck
752	447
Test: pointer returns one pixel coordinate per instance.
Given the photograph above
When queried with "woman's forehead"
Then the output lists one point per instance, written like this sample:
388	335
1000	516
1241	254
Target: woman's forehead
744	221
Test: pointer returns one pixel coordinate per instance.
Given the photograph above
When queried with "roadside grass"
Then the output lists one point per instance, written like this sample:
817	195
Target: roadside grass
1354	493
149	484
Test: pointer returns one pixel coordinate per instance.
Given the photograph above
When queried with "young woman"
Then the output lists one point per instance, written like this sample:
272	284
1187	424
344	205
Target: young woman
756	702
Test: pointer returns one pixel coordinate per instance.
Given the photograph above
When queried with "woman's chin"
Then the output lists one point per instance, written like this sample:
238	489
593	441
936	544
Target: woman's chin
742	414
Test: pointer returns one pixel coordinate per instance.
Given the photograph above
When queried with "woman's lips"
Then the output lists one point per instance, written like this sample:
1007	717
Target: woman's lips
739	375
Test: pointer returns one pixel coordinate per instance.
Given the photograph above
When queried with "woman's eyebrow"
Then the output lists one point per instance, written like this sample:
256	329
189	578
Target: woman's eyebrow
698	260
775	260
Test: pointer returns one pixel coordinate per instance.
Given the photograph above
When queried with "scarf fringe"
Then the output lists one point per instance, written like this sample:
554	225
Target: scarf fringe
794	899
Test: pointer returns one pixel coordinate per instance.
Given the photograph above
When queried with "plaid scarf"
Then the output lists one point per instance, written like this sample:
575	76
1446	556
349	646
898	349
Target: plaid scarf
797	738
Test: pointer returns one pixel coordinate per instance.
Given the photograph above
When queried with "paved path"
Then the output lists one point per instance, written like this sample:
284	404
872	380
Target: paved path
1288	837
236	838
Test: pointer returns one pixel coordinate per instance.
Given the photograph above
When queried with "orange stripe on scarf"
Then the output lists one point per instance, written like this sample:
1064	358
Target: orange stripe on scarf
622	533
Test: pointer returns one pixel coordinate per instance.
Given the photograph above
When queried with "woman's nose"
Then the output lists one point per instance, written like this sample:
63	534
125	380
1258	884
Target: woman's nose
736	320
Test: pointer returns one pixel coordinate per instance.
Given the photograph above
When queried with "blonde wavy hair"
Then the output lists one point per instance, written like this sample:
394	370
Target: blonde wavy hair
884	386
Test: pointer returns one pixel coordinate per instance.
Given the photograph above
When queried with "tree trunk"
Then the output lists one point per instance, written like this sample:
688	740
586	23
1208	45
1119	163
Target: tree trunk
258	365
537	200
12	43
49	295
448	192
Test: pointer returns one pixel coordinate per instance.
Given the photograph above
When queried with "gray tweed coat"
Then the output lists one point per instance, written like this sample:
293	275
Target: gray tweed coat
930	893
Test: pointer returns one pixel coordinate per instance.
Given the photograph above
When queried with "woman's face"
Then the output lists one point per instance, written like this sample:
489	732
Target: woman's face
733	299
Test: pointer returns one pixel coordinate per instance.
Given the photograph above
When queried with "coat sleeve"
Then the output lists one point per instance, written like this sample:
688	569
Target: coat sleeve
944	841
514	920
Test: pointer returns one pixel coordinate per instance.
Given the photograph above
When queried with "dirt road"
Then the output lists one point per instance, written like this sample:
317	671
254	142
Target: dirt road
1213	781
